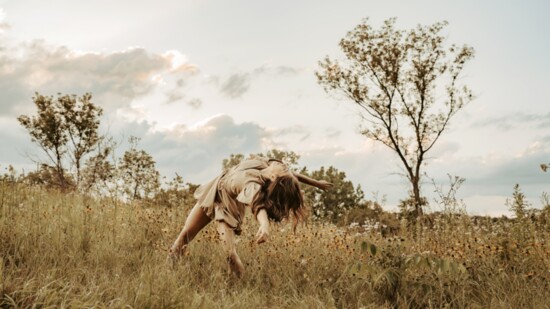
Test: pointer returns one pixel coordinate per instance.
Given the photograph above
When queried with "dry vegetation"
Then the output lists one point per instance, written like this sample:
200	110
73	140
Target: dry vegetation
67	250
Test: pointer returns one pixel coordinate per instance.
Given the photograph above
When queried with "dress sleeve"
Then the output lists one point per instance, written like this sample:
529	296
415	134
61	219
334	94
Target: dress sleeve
249	192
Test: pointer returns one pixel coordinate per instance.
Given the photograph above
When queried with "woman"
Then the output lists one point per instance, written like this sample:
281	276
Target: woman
266	185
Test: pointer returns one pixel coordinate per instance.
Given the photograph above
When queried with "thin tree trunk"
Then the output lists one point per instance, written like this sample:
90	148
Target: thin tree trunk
59	168
417	198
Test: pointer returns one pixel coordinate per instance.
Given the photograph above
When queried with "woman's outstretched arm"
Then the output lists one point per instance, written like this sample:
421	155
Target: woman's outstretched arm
321	184
263	231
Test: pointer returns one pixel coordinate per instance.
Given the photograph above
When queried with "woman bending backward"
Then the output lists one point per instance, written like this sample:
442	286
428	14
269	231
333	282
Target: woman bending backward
267	186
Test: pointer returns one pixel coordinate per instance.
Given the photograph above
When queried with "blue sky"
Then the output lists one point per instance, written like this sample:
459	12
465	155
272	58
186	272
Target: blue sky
198	80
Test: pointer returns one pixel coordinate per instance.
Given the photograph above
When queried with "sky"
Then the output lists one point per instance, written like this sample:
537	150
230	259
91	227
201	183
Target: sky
198	80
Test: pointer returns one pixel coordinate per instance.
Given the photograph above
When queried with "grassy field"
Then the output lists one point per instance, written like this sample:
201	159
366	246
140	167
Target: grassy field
66	250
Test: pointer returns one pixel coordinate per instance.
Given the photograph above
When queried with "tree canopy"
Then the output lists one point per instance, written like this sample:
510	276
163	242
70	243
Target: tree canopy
407	86
66	129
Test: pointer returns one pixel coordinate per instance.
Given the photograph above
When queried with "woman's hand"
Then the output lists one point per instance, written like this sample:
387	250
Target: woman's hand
263	231
321	184
263	234
324	185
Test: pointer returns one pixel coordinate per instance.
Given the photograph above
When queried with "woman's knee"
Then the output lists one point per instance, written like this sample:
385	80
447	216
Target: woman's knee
227	237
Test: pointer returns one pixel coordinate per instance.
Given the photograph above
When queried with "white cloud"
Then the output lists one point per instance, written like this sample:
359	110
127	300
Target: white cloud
179	62
114	78
196	152
512	121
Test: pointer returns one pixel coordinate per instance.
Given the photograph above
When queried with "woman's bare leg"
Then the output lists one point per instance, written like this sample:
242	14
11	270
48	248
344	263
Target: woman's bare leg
194	223
227	237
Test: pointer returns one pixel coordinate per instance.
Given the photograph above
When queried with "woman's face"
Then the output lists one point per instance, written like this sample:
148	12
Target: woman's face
272	172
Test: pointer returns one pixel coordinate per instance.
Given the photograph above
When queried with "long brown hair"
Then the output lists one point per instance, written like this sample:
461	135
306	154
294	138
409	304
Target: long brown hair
284	200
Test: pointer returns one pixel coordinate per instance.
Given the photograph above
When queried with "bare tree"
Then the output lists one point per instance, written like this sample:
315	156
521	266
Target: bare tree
406	83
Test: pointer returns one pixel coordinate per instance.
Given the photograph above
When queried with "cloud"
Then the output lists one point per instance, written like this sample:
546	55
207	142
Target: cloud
174	96
186	94
332	132
194	103
522	170
298	130
236	85
276	70
196	152
114	78
15	144
512	121
490	178
443	150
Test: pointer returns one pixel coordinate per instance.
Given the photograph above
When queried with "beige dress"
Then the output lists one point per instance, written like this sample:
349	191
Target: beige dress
225	197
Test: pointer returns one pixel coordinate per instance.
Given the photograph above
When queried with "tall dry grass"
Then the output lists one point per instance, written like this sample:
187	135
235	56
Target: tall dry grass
68	250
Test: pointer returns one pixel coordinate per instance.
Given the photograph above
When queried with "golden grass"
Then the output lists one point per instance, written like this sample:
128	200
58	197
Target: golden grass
67	250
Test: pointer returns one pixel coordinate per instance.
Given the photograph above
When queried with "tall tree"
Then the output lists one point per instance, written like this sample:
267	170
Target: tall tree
406	84
66	129
81	118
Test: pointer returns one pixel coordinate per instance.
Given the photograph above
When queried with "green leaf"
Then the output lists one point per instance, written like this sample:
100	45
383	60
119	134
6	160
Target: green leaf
373	249
364	246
